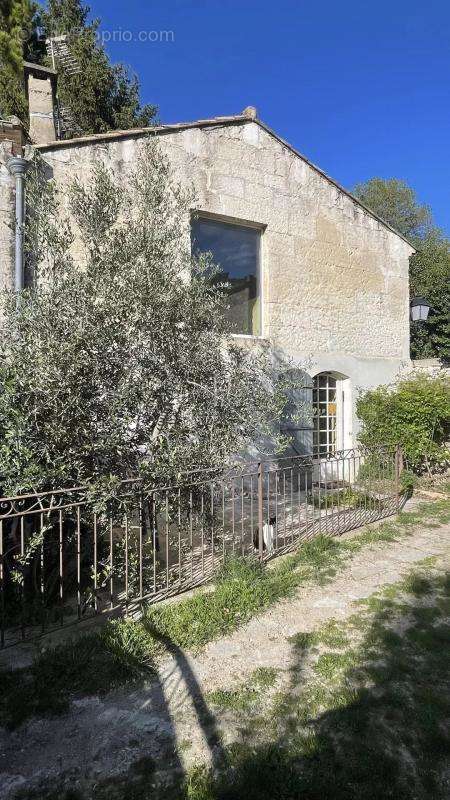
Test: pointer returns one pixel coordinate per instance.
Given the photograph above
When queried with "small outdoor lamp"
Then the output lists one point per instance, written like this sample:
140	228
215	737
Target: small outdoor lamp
419	309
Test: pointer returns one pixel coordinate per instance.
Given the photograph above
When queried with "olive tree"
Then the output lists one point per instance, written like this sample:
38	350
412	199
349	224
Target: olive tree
119	362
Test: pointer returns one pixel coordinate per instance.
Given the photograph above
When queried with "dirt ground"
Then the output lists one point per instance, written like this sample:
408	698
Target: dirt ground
168	718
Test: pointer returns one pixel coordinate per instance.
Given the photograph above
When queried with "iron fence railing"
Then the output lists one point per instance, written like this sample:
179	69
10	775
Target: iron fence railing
62	561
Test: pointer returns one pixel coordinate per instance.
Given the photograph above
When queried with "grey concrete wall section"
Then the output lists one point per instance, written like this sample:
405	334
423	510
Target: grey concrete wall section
334	280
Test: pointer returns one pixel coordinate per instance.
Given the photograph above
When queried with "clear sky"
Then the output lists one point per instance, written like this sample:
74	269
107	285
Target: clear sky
361	88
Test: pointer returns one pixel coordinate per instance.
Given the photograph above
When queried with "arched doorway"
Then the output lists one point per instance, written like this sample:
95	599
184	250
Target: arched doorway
331	409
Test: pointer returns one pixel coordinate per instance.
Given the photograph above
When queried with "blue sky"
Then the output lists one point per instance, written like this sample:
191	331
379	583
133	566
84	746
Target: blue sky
360	88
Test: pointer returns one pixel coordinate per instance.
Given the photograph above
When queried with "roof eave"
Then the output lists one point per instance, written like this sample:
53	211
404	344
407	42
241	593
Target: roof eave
135	132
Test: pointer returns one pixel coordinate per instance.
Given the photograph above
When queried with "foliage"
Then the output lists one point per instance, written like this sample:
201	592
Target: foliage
15	22
430	278
396	203
123	365
414	413
64	17
101	96
408	481
332	499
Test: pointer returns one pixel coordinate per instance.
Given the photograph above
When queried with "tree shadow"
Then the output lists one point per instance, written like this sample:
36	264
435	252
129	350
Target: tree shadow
206	719
385	734
150	775
141	782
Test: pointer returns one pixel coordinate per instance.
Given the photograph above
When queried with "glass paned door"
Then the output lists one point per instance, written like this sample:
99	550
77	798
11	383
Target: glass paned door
324	414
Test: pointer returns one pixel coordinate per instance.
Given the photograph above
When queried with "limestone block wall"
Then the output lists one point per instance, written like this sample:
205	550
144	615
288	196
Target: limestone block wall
40	98
7	204
334	280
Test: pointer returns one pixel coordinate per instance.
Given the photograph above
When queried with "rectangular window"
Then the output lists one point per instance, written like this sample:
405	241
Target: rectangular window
235	249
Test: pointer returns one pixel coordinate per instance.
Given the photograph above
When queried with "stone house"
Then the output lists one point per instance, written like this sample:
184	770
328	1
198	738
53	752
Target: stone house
311	270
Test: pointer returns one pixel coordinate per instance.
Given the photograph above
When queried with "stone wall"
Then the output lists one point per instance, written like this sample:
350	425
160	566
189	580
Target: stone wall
429	366
7	203
41	102
334	279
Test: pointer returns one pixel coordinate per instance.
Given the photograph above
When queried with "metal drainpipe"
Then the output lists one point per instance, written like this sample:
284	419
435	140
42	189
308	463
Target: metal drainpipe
17	167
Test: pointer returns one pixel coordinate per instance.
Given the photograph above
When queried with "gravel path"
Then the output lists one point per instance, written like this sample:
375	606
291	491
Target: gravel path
168	719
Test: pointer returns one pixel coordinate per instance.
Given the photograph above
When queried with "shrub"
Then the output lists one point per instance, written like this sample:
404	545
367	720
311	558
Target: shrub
414	413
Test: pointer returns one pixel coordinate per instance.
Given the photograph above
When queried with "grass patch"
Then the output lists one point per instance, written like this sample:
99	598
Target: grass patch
242	699
242	589
94	664
331	665
265	677
124	651
302	641
332	634
246	697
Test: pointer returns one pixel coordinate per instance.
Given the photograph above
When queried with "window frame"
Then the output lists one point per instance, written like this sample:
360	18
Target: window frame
321	386
199	214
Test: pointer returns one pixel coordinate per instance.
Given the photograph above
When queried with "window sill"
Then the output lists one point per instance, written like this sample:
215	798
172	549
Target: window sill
254	336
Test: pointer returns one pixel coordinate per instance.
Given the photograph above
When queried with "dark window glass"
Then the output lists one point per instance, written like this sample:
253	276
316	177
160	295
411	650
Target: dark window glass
235	249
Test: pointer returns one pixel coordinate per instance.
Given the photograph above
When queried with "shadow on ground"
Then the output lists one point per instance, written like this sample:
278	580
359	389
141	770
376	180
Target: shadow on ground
384	733
147	779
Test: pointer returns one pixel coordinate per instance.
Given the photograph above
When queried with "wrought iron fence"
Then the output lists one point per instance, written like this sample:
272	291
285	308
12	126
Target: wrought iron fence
61	561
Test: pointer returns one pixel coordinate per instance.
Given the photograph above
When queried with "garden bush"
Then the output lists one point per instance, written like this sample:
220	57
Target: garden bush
414	413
